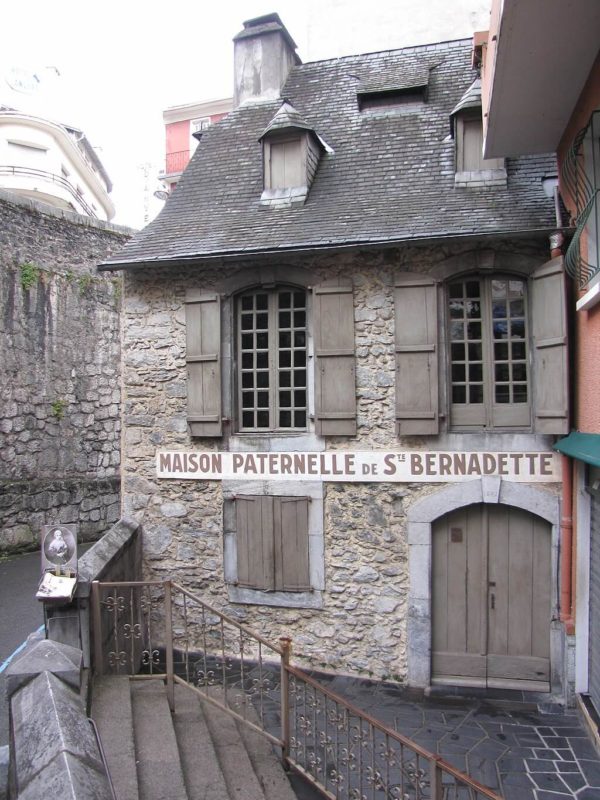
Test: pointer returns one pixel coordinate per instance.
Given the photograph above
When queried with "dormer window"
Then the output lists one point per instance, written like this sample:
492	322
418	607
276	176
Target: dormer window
291	153
466	126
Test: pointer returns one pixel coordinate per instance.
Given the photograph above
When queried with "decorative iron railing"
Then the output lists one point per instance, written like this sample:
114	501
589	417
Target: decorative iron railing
177	162
50	177
579	172
161	630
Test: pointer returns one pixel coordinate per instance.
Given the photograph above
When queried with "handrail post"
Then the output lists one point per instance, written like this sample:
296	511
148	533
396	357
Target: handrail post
98	664
169	646
286	650
435	778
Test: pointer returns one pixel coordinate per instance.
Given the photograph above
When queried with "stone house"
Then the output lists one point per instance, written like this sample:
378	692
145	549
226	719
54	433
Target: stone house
345	366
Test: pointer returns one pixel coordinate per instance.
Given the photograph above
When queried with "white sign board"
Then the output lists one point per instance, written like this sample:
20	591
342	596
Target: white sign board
406	466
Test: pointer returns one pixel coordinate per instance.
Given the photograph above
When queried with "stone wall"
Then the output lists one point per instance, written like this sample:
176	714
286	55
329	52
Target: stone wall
362	626
60	372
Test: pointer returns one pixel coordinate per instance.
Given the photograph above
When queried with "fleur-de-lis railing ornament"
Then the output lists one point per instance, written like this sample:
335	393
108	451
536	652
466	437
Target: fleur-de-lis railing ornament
356	794
113	604
337	718
348	759
335	777
205	678
388	754
117	658
150	657
146	603
259	686
314	761
305	725
132	631
418	777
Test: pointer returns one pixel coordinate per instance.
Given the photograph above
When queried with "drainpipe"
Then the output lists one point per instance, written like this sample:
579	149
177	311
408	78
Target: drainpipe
566	549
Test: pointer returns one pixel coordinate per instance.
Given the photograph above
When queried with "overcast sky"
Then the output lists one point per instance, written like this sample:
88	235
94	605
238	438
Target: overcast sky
121	64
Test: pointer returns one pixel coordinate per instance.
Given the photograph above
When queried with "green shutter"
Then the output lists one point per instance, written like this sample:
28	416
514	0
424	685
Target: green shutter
290	529
254	542
416	325
335	381
550	355
203	345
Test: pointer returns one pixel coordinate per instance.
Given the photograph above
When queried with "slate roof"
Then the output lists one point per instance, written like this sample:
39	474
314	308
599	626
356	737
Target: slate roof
389	179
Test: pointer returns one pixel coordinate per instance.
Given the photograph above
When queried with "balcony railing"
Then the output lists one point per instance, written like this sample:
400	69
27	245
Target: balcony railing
50	177
177	162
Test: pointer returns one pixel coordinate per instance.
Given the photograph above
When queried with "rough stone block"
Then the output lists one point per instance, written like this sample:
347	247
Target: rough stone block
67	777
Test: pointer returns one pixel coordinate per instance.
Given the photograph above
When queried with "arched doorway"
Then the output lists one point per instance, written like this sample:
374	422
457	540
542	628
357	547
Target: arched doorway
491	598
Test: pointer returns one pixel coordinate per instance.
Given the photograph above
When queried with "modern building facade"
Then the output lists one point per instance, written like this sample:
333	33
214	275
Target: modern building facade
52	163
541	65
346	368
184	124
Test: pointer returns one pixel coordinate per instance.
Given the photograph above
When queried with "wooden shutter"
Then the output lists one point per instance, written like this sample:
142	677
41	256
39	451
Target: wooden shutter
550	356
335	364
203	345
290	528
254	540
415	299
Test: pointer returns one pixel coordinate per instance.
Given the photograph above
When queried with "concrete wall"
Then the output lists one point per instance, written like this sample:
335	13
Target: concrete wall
362	624
60	373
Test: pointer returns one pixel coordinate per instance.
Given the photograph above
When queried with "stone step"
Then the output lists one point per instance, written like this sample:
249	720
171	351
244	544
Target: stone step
159	768
111	711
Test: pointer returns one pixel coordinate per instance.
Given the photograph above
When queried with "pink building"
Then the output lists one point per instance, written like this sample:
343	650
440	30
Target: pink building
184	125
541	93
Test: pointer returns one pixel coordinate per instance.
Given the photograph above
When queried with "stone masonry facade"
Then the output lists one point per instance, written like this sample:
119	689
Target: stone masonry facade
60	362
362	625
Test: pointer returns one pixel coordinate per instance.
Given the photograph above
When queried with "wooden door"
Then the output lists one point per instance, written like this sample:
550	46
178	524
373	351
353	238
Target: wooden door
491	598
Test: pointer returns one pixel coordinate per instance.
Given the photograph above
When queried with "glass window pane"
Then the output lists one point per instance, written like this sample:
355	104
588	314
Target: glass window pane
520	393
285	419
498	289
262	360
518	351
473	309
458	372
502	393
457	309
299	300
472	288
516	288
247	302
262	322
248	419
455	290
262	380
475	351
262	419
519	372
501	351
247	322
262	302
517	329
299	398
247	360
501	372
285	358
247	399
475	393
474	330
517	308
285	399
285	319
457	352
285	339
262	341
300	419
285	379
247	380
299	358
285	299
262	399
299	339
476	372
499	309
500	329
300	319
456	331
299	378
247	341
459	394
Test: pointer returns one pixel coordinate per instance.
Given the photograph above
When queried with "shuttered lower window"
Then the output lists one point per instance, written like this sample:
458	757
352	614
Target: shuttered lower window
272	543
488	335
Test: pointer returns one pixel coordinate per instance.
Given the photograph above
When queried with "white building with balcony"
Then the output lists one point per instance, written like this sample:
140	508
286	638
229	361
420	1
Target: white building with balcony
52	163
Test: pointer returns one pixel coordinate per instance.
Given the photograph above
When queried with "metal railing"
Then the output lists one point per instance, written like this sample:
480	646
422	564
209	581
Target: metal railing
50	177
159	629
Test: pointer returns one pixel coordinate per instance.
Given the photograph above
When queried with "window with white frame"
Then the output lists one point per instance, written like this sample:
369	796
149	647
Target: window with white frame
488	344
272	359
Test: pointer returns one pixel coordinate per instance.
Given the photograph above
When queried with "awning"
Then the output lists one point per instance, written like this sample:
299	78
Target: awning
582	446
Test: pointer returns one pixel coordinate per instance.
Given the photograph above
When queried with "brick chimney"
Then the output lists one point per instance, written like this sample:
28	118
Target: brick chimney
263	55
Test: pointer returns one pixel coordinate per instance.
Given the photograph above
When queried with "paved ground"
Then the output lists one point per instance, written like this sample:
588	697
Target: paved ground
519	752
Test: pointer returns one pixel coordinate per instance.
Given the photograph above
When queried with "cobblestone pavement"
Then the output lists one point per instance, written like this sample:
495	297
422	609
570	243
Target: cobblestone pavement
520	753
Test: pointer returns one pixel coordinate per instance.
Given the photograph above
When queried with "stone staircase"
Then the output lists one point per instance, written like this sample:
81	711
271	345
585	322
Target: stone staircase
197	753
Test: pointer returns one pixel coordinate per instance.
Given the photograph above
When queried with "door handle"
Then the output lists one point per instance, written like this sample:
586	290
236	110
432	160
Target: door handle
493	600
